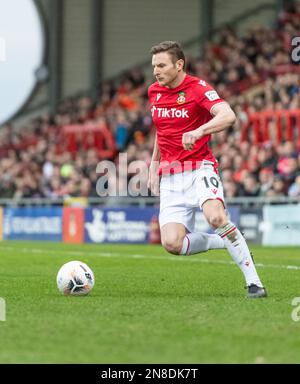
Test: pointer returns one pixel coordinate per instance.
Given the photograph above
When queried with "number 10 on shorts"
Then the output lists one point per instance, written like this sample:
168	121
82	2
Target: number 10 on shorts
211	182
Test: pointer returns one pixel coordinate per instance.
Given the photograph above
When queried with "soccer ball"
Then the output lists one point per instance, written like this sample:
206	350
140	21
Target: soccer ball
75	278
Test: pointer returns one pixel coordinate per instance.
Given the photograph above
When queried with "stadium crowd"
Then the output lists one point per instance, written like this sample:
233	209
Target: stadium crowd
253	73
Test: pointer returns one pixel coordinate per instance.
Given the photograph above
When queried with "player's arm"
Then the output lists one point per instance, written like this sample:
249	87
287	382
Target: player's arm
224	118
153	178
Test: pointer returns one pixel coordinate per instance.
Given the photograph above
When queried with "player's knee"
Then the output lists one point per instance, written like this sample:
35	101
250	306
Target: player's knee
173	245
217	220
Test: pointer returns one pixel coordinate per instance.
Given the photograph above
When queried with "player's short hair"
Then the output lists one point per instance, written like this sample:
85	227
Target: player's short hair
173	48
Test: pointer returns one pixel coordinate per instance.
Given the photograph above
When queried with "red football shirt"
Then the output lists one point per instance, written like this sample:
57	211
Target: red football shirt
179	110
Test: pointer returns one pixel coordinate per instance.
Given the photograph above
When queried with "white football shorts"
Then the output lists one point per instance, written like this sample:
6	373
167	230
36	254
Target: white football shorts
182	193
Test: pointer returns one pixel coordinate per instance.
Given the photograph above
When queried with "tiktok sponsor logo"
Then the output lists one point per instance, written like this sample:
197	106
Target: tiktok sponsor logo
169	113
295	54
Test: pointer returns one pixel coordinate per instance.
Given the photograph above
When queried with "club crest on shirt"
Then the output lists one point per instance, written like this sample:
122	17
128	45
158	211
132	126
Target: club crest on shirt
181	98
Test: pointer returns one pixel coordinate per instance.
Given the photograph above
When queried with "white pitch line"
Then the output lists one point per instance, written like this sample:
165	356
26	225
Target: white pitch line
138	256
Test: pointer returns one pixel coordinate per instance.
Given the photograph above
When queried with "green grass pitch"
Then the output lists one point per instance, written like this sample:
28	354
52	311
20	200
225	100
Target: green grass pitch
147	307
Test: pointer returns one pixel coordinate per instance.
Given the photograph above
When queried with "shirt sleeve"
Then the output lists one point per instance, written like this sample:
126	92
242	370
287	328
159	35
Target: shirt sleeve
150	93
206	96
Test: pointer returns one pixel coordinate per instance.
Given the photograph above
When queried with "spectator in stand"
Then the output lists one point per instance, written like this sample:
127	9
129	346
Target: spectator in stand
266	179
287	165
230	189
238	168
279	186
85	187
225	162
250	186
7	187
266	156
121	130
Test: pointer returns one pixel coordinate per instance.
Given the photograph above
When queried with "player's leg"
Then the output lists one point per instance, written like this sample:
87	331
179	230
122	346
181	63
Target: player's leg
177	218
208	187
172	235
177	240
235	243
198	242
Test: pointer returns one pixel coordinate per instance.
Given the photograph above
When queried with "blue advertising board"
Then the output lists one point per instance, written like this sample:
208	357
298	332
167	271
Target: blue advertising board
101	225
32	223
118	225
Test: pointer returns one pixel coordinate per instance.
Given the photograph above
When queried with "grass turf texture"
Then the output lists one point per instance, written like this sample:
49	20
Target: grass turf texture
146	307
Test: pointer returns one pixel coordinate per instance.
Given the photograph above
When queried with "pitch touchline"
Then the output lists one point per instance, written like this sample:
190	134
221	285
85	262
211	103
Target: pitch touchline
138	256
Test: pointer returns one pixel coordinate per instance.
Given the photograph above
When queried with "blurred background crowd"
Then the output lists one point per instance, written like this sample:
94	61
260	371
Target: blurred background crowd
52	156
